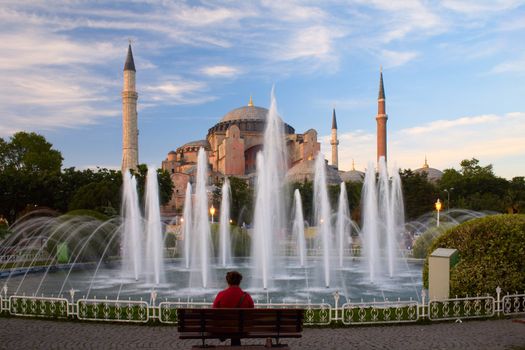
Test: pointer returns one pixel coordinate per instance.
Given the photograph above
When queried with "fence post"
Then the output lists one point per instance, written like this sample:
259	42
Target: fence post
152	300
336	298
498	300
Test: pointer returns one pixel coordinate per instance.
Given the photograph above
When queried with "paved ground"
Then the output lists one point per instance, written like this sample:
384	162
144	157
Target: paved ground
18	333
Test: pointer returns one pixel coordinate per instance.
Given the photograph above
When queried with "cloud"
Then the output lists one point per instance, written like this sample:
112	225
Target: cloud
314	42
477	7
220	71
443	125
177	91
494	139
510	66
397	58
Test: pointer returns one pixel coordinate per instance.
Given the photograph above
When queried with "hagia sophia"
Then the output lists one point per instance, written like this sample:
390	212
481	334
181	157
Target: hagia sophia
233	142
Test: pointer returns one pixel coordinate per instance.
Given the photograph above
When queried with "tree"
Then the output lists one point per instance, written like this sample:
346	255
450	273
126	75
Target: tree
29	152
29	171
419	194
164	181
475	187
241	209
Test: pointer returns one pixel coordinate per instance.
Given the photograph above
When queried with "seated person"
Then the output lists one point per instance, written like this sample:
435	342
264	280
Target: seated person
233	297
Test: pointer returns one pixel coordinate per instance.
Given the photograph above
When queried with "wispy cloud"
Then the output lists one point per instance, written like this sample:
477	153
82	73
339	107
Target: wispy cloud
477	7
220	71
397	58
496	139
510	66
178	91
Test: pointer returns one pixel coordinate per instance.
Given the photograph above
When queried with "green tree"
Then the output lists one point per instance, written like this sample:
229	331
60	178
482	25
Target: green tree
476	187
306	189
29	152
241	209
29	172
353	190
163	178
418	193
103	196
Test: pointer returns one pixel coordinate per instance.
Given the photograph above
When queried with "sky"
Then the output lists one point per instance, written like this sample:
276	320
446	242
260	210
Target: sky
454	75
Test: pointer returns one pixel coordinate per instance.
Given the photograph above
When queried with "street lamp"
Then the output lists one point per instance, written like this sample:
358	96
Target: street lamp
448	190
438	209
212	212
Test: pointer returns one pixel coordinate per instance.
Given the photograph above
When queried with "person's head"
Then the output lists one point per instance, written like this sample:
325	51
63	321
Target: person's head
233	278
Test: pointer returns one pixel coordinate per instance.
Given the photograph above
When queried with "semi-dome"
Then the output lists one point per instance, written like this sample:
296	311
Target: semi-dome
353	176
305	171
433	174
194	146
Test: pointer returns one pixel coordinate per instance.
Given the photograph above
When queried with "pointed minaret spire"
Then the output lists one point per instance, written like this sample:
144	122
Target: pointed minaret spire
381	119
381	87
250	103
334	142
353	165
130	64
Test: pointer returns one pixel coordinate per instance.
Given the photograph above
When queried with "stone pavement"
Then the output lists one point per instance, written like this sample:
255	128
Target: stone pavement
19	333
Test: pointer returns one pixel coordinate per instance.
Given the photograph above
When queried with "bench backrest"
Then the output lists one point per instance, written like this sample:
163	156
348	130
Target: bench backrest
240	321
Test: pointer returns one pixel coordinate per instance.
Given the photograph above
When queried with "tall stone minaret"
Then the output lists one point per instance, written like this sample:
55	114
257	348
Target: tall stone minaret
381	119
334	142
130	133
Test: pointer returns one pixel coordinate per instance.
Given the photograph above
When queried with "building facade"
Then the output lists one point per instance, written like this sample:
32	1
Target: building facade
232	145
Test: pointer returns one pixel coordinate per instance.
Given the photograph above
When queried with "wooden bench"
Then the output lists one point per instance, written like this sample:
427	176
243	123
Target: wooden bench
240	323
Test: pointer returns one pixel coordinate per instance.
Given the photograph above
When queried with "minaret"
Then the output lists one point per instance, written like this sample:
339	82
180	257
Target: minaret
130	133
381	119
334	142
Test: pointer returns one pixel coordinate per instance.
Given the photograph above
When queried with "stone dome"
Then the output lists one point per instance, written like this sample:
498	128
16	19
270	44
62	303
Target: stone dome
353	176
433	175
248	118
246	113
305	170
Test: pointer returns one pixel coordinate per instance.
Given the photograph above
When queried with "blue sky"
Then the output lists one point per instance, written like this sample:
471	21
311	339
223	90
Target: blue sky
454	74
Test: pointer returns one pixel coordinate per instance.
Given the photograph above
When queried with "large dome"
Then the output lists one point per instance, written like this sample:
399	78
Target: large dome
248	118
246	113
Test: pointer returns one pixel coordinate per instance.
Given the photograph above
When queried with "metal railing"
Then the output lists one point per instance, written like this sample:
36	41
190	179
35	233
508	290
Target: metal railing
316	314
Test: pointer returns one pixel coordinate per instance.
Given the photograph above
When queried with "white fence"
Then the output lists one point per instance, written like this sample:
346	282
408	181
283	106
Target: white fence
318	314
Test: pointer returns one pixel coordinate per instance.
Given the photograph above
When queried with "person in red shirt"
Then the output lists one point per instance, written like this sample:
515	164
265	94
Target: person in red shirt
233	297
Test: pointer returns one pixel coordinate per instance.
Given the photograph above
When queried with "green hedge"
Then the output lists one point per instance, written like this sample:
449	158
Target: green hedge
492	254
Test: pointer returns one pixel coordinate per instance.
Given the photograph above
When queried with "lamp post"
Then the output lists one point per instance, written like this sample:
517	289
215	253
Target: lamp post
438	209
448	190
212	212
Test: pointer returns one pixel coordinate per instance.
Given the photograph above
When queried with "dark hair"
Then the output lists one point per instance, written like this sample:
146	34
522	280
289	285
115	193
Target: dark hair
233	278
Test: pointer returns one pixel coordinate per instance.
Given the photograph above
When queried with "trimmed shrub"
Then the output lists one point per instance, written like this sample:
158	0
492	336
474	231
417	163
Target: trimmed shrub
492	254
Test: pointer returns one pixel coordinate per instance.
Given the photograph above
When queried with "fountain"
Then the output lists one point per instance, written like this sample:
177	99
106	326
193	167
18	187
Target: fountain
154	257
268	218
132	240
342	224
323	216
187	225
224	231
298	229
201	251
